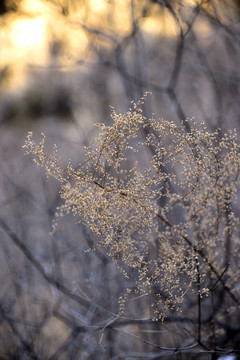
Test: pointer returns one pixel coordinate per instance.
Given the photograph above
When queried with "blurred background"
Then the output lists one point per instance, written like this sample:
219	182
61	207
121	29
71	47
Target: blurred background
62	64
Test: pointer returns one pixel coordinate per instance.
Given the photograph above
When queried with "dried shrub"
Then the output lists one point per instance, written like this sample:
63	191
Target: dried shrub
169	221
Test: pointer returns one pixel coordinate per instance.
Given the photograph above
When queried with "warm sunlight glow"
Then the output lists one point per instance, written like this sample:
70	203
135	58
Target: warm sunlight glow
23	42
33	7
166	26
98	5
28	34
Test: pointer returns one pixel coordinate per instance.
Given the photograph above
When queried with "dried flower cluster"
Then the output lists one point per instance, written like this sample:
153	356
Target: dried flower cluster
168	220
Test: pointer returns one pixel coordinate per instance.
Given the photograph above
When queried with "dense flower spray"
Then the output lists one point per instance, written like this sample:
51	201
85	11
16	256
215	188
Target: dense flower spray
169	218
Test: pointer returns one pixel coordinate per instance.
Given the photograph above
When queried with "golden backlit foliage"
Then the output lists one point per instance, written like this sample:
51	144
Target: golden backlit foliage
38	29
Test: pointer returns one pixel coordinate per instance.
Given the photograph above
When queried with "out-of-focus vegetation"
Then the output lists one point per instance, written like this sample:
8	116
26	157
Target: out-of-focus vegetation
62	63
